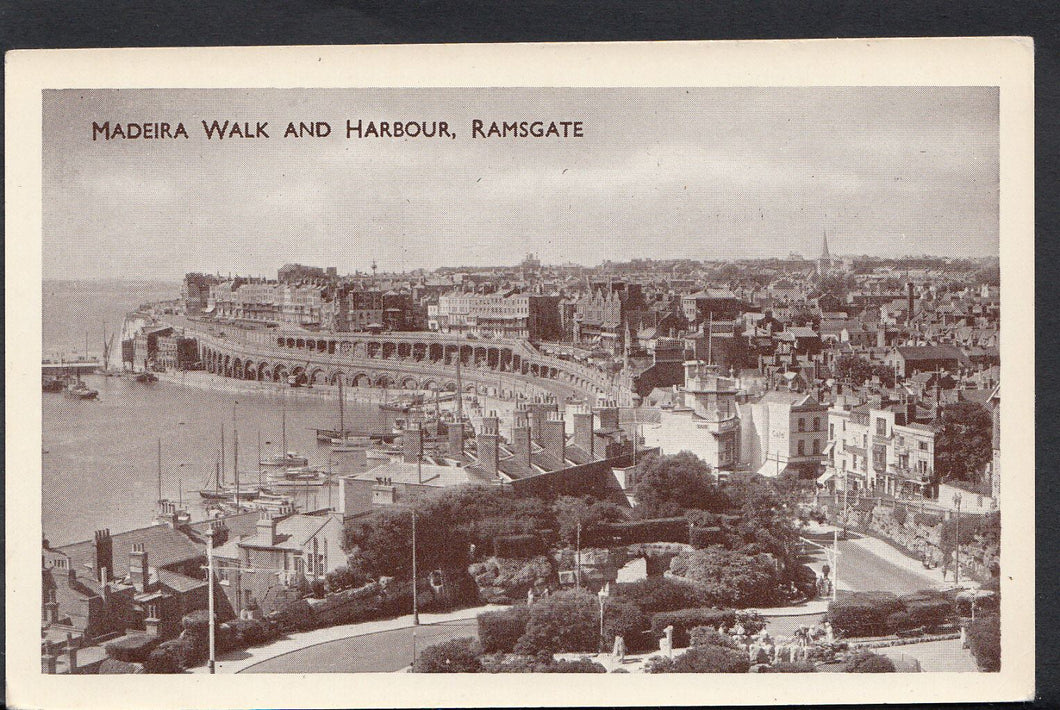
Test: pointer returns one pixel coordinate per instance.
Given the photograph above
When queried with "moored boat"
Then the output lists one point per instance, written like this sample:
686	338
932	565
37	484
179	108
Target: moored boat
79	390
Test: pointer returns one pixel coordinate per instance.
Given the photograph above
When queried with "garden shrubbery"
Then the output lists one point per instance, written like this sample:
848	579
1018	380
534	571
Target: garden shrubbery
883	613
655	594
131	649
499	631
701	659
730	578
566	621
685	620
984	641
624	618
869	662
455	656
864	613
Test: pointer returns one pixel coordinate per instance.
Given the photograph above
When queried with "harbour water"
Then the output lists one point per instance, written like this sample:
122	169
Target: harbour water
100	458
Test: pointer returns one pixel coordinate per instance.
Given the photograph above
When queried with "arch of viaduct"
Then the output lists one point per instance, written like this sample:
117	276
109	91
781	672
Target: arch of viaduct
402	361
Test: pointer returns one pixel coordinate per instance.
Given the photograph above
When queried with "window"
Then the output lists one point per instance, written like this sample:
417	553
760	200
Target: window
802	448
817	424
881	427
831	431
816	446
923	445
802	424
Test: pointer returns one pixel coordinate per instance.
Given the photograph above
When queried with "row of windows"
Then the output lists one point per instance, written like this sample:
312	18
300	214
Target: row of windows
816	424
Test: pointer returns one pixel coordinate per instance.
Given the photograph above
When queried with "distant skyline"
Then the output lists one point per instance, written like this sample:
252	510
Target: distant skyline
703	174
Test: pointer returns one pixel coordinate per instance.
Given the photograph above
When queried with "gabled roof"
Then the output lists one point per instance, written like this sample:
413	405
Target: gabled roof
165	546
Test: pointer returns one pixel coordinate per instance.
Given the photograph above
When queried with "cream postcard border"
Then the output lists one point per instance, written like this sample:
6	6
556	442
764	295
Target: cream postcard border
1003	62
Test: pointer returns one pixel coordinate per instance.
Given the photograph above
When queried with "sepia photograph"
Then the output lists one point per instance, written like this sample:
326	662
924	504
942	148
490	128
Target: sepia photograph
513	378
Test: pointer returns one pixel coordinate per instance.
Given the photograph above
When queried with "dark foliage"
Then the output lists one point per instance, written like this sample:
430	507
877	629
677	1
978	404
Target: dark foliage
685	620
499	631
863	613
655	594
517	546
131	649
624	618
730	578
868	662
455	656
984	641
963	442
564	622
669	485
788	667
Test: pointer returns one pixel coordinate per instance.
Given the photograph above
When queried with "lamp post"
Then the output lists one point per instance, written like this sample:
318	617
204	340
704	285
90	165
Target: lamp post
578	556
957	543
415	604
600	595
209	596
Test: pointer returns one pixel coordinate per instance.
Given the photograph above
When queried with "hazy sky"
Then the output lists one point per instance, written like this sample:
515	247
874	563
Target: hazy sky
663	173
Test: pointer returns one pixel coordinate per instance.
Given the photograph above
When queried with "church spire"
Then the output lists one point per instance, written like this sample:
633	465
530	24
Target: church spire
825	256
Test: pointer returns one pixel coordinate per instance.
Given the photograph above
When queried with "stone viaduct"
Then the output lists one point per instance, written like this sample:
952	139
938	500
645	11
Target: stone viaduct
413	361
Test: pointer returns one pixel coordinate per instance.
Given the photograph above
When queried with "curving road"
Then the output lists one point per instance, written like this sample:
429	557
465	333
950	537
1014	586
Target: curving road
382	652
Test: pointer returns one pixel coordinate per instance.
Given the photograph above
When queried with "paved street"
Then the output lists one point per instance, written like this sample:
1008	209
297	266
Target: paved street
863	569
383	652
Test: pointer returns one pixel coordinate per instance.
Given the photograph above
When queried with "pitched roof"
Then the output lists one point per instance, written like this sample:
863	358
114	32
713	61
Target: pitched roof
931	352
165	546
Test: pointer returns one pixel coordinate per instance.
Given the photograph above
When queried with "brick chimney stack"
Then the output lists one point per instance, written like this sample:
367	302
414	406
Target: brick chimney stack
521	435
104	556
139	571
553	437
489	453
220	533
412	441
456	439
539	410
266	528
583	429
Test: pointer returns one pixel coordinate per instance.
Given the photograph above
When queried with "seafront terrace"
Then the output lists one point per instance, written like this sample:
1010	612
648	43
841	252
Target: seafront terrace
415	360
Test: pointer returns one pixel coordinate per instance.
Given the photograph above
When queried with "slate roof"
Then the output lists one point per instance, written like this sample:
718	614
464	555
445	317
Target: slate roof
165	546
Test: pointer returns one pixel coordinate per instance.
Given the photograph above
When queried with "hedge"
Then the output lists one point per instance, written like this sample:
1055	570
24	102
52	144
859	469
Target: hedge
656	594
706	536
455	656
685	620
869	662
787	667
863	613
297	615
984	641
173	656
517	546
498	631
132	649
711	659
624	618
653	530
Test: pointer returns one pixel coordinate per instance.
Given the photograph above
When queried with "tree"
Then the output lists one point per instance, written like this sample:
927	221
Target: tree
857	370
730	578
590	512
455	656
963	442
564	622
655	594
624	618
868	662
669	485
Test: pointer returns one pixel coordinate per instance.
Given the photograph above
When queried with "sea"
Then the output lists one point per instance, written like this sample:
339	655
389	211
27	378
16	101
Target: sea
101	461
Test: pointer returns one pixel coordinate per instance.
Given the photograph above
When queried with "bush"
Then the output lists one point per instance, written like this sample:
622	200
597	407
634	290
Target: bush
111	666
499	631
297	615
197	623
984	641
869	662
707	536
787	667
636	531
566	621
624	618
751	621
863	613
730	578
656	594
167	658
346	577
582	665
685	620
455	656
900	621
317	588
517	546
254	632
711	659
132	649
709	636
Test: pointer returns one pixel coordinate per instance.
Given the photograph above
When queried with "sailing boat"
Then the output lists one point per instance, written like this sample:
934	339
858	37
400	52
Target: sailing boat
341	434
167	507
285	459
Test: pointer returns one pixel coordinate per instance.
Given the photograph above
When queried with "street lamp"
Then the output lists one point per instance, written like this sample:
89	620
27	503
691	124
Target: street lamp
415	605
209	596
957	542
600	595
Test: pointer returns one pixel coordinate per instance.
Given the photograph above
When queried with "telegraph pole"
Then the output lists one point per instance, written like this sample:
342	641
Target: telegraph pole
209	596
415	605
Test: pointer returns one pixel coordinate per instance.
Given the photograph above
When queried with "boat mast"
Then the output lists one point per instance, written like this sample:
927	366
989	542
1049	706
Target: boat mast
283	425
259	457
235	452
222	455
160	470
342	411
